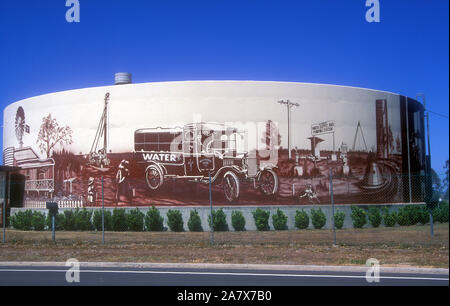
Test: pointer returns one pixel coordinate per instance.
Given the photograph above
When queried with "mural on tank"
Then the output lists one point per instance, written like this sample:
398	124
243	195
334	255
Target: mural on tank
283	158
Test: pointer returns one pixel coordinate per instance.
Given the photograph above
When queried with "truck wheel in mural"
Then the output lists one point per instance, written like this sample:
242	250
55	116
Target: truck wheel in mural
154	177
268	182
231	186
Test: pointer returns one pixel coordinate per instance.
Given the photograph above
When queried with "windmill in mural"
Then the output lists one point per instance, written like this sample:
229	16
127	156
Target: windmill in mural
20	127
99	156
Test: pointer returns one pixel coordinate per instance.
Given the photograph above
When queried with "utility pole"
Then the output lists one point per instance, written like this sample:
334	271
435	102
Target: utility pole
289	105
428	182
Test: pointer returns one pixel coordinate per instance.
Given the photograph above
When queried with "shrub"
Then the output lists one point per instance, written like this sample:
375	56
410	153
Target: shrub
261	219
97	220
318	218
238	221
219	221
38	221
83	220
175	220
440	214
279	221
412	214
339	218
375	217
59	222
301	219
135	220
195	223
423	215
153	220
69	220
22	220
389	218
119	220
359	217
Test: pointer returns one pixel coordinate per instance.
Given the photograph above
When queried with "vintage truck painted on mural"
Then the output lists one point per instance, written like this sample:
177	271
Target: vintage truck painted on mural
202	153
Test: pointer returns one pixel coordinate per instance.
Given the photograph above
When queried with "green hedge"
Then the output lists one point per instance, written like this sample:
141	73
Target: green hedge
97	220
301	219
238	221
135	220
153	220
219	221
375	217
359	217
261	219
195	223
318	218
389	218
175	221
279	221
339	218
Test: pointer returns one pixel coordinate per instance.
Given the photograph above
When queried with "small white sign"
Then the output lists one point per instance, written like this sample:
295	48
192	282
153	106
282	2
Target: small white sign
323	128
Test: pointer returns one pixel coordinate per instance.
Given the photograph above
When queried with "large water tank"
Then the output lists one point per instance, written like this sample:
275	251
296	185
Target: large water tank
121	78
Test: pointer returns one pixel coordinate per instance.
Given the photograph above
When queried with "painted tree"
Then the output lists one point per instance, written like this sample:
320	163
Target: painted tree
51	134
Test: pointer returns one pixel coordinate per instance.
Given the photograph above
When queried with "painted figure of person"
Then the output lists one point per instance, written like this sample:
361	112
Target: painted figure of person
310	194
123	186
91	191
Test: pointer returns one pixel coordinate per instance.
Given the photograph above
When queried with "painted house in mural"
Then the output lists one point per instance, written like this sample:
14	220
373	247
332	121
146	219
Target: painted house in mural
39	173
372	140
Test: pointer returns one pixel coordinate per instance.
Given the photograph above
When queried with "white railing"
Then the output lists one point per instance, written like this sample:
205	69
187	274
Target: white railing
40	185
61	204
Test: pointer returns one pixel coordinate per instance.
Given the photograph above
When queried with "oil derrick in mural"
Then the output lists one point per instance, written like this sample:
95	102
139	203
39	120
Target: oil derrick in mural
99	156
384	133
360	130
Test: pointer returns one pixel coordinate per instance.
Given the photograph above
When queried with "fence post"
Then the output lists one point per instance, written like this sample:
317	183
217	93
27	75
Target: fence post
103	215
211	211
332	207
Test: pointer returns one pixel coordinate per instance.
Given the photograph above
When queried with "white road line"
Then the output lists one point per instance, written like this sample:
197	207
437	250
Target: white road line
235	274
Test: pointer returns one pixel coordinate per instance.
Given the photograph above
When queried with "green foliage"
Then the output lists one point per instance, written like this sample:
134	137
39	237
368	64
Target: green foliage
38	221
339	218
119	220
412	214
389	218
301	219
440	214
359	217
135	220
59	222
83	220
69	220
153	220
375	217
22	220
261	219
219	221
195	223
318	218
97	220
238	221
175	221
279	221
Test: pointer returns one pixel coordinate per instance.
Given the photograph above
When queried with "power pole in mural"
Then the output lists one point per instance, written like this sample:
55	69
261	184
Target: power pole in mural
99	157
289	105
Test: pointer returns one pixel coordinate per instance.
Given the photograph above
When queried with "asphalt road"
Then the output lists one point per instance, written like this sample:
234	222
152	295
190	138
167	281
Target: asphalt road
56	276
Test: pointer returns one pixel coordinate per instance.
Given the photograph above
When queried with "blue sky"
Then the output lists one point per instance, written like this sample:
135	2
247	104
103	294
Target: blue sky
324	41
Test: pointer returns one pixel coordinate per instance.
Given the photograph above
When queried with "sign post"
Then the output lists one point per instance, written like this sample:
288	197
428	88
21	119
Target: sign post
53	211
210	210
